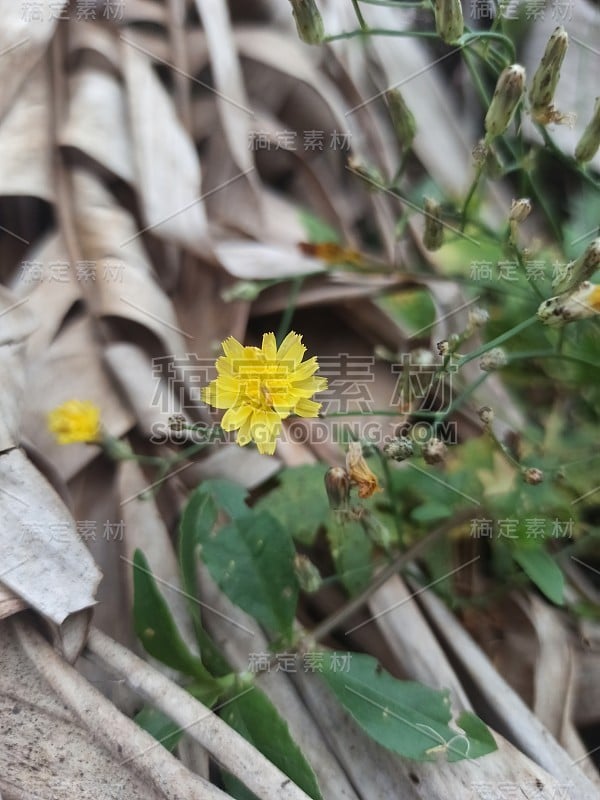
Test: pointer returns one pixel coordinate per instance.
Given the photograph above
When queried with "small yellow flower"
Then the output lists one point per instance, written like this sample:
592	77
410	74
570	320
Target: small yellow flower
359	471
261	386
75	421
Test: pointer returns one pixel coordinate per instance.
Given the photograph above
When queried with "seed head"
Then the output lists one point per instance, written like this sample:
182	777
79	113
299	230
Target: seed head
486	415
434	451
533	476
493	359
400	448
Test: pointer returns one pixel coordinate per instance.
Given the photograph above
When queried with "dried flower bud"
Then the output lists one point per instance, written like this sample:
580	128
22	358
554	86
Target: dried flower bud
400	448
477	318
590	138
308	575
507	96
359	471
177	423
547	76
377	532
337	486
520	210
582	303
443	348
493	359
533	476
403	120
309	22
449	20
580	270
486	415
433	237
434	451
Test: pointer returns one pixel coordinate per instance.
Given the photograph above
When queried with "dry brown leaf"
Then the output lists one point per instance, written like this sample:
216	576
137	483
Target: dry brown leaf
97	122
168	173
36	522
26	163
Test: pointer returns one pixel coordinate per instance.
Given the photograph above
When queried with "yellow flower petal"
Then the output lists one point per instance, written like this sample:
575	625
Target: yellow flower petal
291	349
75	421
307	408
232	348
269	346
235	417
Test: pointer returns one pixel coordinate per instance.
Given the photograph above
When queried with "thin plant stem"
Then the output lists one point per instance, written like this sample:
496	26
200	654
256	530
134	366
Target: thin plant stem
497	341
359	16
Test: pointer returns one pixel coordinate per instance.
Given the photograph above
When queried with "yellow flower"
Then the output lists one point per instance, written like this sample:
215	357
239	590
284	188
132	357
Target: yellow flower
261	386
359	471
75	421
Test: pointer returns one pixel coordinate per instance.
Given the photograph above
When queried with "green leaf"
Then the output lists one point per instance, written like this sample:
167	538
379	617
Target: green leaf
230	497
404	716
197	523
254	717
299	502
198	520
252	560
164	730
431	512
542	570
156	628
351	552
317	230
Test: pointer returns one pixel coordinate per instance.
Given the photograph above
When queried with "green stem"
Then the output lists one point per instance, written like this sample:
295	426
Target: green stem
359	16
497	341
288	314
380	32
528	354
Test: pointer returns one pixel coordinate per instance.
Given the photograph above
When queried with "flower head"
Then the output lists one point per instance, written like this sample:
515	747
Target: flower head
261	386
75	421
359	471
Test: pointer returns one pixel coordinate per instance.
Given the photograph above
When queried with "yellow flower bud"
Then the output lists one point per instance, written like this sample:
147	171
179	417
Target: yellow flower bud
507	96
546	79
309	22
433	236
403	120
449	20
590	139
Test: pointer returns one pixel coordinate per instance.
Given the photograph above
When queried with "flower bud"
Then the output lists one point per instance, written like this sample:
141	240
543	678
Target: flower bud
433	236
434	451
443	348
370	175
377	532
337	486
520	210
309	22
403	120
590	139
449	20
533	476
546	79
580	270
582	303
400	448
308	575
493	359
507	96
241	290
177	423
486	415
